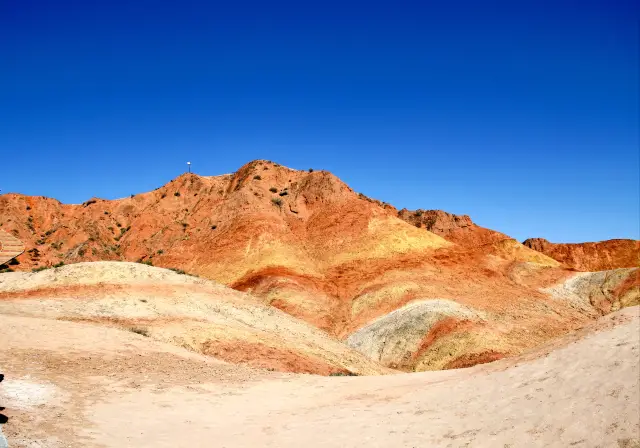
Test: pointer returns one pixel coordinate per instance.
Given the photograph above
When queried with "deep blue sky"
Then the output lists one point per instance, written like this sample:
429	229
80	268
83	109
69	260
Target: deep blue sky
522	114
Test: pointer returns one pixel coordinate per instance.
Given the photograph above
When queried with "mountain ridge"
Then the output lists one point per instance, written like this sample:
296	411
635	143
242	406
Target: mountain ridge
307	244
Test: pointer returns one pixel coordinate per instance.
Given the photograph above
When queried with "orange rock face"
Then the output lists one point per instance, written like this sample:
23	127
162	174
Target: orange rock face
600	256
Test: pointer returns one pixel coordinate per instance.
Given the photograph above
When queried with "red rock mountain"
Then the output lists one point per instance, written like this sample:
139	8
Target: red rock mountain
306	243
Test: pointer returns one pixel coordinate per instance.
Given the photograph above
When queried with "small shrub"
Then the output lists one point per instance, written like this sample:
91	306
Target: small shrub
57	245
139	330
214	227
164	195
178	271
176	194
311	170
430	223
257	177
418	213
58	265
118	224
160	252
273	190
82	251
41	268
277	201
283	193
3	270
106	212
28	208
343	374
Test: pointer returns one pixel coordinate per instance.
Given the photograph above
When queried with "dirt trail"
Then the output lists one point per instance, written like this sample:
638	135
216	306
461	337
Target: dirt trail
71	384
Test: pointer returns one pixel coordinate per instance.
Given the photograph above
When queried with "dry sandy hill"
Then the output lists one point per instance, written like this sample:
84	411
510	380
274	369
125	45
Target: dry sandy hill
305	243
182	310
73	384
600	256
438	334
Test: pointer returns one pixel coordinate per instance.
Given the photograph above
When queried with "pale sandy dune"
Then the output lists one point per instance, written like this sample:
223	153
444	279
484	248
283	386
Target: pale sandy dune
186	311
91	386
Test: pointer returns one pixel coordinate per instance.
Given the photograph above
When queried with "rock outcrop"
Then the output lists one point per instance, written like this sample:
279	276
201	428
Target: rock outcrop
460	230
456	228
599	256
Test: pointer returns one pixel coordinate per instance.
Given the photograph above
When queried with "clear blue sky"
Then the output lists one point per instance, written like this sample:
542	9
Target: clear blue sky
522	114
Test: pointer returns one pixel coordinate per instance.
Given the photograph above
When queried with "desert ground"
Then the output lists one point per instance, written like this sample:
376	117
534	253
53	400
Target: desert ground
76	384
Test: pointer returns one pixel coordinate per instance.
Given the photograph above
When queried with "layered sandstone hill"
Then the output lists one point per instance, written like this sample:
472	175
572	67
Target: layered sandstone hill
600	256
305	243
182	310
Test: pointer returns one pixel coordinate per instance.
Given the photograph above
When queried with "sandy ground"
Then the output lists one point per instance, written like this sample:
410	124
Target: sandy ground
73	384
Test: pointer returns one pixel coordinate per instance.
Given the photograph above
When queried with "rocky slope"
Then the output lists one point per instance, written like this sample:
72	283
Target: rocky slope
600	256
